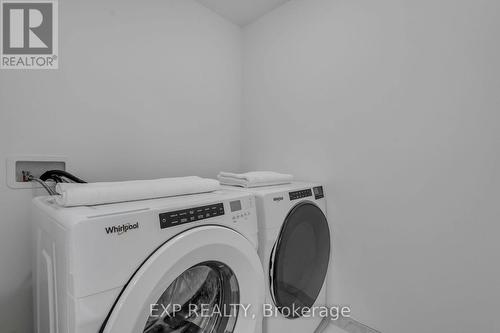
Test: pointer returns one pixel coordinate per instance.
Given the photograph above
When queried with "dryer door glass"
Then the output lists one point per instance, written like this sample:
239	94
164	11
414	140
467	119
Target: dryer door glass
202	299
300	259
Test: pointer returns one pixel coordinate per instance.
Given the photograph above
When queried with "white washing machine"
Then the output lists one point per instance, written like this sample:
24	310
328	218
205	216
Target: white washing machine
294	247
149	266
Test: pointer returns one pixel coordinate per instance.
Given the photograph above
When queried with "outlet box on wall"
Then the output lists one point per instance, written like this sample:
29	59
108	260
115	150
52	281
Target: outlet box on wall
36	165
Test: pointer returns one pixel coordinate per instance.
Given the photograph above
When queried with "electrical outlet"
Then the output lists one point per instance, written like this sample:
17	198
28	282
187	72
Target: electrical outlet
19	167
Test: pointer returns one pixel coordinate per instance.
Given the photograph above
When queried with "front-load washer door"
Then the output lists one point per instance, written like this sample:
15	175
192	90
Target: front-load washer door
299	260
206	280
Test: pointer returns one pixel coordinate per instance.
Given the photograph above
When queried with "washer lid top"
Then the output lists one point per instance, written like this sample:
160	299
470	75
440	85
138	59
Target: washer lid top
69	217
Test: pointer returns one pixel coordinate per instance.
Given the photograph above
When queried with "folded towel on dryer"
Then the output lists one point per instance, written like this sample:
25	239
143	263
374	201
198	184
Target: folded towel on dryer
254	178
74	194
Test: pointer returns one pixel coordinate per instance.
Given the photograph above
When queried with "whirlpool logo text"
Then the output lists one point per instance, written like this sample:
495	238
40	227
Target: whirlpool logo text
121	229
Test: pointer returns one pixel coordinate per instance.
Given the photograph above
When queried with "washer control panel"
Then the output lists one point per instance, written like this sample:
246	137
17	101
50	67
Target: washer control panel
300	194
242	216
178	217
240	209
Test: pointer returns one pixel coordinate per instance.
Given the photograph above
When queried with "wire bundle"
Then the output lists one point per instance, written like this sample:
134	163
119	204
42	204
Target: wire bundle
57	176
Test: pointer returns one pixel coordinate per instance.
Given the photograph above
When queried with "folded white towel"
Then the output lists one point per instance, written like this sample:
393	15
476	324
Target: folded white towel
254	178
72	194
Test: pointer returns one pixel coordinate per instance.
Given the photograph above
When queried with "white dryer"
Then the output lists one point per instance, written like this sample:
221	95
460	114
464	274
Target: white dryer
294	247
122	268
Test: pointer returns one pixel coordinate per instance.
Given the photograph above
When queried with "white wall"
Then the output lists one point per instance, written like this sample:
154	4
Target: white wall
144	90
395	105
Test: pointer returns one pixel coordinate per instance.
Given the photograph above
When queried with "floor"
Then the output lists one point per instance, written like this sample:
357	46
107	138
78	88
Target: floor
345	325
333	329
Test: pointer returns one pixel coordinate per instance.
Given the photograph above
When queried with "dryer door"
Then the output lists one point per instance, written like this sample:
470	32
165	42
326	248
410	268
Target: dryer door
195	282
299	260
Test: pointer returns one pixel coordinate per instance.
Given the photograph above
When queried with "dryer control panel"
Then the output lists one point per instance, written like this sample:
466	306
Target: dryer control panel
300	194
178	217
318	192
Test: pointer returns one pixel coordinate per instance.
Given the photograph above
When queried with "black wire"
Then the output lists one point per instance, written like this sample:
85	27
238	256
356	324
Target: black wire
55	178
60	173
44	185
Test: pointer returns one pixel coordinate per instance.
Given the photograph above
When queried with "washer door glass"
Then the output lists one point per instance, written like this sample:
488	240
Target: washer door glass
299	261
203	299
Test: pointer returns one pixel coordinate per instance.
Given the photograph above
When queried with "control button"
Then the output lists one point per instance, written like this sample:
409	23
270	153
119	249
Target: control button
168	219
